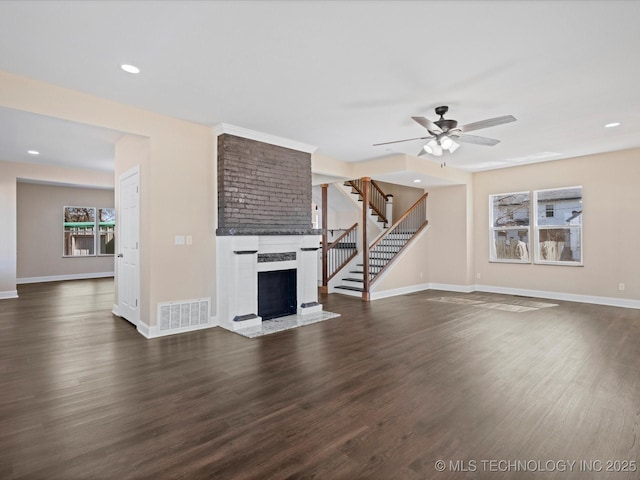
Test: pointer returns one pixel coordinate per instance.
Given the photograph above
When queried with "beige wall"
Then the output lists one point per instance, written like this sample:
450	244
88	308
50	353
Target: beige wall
403	197
176	184
610	225
457	243
449	244
444	254
40	230
10	172
8	242
323	165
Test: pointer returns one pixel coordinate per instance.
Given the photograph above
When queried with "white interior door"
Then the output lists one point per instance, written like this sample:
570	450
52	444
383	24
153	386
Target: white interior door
128	255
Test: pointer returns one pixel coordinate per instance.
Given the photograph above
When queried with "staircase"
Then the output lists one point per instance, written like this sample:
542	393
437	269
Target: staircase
377	203
382	252
339	252
342	251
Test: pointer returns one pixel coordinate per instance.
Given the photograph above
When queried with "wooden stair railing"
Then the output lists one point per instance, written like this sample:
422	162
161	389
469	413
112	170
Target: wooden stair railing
337	254
377	198
393	241
341	251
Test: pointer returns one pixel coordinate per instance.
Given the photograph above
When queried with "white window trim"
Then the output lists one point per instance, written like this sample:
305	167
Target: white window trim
97	247
96	233
537	228
493	257
95	212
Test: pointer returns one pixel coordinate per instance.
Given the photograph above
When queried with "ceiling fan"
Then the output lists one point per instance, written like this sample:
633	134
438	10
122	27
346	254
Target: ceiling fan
443	133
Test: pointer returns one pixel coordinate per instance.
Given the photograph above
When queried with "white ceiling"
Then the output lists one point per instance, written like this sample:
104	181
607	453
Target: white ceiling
344	75
59	142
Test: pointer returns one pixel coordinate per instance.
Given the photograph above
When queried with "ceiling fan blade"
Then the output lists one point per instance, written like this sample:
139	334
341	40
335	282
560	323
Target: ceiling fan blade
428	124
491	122
489	142
399	141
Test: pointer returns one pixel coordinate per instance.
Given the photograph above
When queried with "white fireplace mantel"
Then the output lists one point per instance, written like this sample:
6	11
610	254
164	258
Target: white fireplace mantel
238	268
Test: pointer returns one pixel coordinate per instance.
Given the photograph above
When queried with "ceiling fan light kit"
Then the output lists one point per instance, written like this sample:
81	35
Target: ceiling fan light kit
432	147
446	142
436	146
442	133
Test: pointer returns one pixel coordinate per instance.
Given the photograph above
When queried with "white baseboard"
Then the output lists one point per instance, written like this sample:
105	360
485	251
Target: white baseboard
8	294
419	288
144	330
568	297
447	287
152	332
59	278
399	291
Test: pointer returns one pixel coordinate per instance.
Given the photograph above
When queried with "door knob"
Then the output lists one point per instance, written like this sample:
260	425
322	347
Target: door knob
120	255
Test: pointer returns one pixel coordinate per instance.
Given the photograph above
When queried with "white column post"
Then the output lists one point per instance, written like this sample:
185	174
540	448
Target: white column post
243	304
307	273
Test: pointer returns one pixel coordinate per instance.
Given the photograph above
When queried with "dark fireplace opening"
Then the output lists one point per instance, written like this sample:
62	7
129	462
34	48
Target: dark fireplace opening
277	294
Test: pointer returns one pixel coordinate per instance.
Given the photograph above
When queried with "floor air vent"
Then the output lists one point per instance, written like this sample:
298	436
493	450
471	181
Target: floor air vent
182	316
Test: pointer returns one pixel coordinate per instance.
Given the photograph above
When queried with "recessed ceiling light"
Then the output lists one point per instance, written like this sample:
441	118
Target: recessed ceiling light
417	180
130	68
33	152
612	124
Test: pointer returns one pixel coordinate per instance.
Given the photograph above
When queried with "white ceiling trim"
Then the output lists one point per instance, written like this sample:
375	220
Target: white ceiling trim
62	184
263	137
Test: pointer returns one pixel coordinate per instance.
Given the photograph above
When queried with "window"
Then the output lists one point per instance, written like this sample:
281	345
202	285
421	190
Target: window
559	236
549	210
510	227
80	230
106	227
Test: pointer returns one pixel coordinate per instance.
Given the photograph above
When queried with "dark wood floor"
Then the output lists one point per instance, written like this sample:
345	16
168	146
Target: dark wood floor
383	392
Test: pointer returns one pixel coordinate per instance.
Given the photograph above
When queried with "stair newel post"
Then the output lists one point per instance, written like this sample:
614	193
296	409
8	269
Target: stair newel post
325	250
366	195
389	209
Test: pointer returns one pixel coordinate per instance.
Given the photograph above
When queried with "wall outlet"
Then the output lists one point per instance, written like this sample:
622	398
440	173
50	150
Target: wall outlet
478	276
621	286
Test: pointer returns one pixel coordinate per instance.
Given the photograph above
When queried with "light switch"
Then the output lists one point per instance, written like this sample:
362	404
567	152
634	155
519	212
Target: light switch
179	239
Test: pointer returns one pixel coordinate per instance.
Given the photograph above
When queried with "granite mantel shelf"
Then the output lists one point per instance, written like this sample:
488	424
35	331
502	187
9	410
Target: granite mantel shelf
249	231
